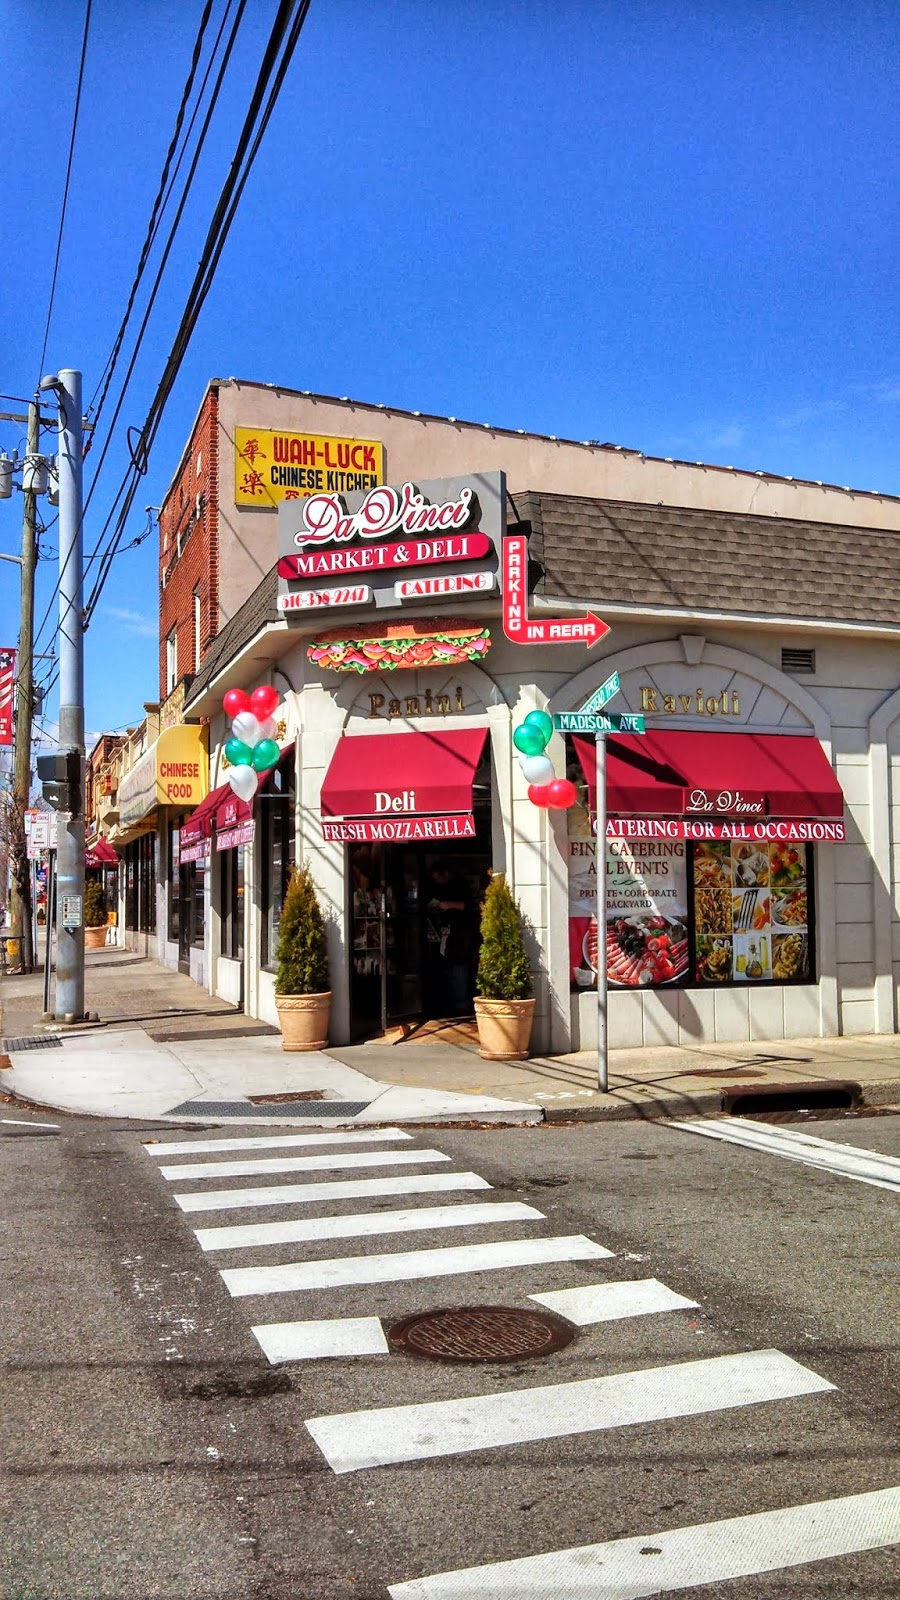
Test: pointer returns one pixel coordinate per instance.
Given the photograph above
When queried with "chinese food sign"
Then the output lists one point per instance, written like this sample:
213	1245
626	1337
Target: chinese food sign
271	467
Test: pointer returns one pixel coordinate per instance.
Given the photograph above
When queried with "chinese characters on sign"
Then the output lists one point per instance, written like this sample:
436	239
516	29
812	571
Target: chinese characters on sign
272	467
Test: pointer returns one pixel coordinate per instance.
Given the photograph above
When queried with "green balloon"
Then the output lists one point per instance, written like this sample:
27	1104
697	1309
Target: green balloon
265	755
238	753
541	719
529	740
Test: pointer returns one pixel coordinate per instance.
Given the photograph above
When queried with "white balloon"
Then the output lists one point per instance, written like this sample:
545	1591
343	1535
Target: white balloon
537	769
243	780
268	729
246	727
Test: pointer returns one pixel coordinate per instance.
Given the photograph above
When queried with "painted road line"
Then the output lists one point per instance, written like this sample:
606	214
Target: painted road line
840	1160
680	1558
357	1225
284	1194
23	1122
309	1341
208	1147
408	1265
376	1438
607	1302
329	1163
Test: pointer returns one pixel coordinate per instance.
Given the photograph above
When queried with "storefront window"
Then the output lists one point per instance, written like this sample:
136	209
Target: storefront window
683	913
147	882
131	885
196	875
232	902
174	886
276	813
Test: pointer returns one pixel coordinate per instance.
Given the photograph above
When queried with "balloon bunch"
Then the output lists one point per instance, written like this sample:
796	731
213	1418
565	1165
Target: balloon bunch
252	749
545	789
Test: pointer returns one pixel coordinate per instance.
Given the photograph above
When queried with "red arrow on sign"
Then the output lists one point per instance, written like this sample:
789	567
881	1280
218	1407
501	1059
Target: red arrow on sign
516	624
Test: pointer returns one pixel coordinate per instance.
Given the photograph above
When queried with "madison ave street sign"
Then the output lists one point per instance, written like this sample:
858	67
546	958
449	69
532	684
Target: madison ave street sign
587	722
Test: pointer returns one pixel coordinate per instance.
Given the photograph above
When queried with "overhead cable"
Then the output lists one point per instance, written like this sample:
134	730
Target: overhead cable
65	198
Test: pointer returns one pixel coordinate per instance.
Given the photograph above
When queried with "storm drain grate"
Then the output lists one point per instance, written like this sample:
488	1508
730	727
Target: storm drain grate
32	1042
822	1094
481	1333
246	1108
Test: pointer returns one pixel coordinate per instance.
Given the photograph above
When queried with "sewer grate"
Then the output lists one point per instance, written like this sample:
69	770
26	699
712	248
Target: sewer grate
821	1094
246	1108
32	1042
481	1333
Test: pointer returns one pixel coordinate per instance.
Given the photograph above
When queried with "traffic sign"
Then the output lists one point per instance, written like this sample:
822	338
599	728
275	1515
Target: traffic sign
603	695
587	722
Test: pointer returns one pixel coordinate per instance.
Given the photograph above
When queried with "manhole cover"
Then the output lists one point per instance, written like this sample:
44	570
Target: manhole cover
481	1333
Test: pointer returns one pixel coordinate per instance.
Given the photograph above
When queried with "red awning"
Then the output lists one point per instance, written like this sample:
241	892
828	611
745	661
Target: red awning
401	787
233	820
100	854
198	824
674	774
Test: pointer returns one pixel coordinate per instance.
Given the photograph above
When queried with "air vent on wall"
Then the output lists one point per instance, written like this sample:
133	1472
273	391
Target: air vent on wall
793	660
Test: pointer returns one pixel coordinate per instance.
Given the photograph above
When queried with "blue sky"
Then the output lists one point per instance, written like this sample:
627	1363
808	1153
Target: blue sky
673	226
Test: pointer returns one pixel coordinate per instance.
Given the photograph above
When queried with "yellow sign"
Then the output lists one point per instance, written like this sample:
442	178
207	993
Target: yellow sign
173	772
270	467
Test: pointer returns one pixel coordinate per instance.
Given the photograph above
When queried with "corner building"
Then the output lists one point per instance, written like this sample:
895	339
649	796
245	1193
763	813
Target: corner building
751	863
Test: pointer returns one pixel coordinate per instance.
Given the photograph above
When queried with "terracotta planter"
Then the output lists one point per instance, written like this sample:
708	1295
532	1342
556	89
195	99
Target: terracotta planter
95	938
303	1019
504	1028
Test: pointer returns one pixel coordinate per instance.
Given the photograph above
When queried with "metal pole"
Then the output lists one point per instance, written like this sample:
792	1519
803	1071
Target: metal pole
70	846
21	897
48	927
600	857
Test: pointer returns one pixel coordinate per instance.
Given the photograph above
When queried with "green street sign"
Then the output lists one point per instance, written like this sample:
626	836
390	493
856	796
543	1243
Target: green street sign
601	696
588	722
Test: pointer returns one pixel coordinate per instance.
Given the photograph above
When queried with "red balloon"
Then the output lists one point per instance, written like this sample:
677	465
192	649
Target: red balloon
561	794
539	793
235	700
263	701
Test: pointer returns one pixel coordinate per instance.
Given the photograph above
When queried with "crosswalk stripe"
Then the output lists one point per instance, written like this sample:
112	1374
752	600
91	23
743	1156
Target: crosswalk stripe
309	1341
841	1160
376	1438
607	1302
359	1224
679	1558
284	1194
329	1163
407	1265
208	1147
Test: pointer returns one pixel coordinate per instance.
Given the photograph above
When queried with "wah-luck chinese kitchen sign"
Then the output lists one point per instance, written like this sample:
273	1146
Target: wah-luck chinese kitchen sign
391	545
271	467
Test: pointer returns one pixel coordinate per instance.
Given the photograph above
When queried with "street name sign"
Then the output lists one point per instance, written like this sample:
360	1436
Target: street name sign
587	722
603	695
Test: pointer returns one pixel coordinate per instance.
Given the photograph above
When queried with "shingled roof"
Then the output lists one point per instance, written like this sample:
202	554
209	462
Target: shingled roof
674	558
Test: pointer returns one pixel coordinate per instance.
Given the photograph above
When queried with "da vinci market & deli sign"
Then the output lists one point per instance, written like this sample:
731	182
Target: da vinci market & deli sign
455	524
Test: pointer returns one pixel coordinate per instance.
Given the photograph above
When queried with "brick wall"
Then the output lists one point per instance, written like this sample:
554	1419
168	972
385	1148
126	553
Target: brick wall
189	547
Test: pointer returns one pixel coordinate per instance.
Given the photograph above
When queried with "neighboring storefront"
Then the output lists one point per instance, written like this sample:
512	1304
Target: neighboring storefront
749	828
156	795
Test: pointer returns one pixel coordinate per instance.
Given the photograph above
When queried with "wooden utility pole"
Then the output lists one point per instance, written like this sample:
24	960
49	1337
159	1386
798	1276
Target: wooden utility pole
20	889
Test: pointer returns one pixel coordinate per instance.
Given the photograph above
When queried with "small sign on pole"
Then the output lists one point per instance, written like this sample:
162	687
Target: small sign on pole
596	722
603	695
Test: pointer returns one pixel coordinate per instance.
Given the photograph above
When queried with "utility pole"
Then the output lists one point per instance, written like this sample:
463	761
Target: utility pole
70	849
20	896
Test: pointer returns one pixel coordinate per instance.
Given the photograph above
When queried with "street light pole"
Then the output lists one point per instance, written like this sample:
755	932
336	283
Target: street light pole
70	849
20	896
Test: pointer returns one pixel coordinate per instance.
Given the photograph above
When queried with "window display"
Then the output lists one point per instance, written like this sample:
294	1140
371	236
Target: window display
717	912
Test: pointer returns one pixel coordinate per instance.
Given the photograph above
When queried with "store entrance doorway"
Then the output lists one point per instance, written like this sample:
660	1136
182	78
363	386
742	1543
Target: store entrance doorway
414	917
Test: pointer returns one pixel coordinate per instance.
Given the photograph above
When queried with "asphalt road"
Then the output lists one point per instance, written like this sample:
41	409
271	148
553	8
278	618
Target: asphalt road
151	1449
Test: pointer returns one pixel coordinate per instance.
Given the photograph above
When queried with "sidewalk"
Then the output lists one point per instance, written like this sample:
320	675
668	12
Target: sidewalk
165	1049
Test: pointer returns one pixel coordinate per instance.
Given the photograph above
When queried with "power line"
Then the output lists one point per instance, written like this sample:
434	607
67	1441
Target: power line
172	233
65	198
106	376
282	42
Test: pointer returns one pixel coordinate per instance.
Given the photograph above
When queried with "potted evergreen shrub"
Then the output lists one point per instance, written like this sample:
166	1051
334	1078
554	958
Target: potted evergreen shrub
504	1008
95	923
302	993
